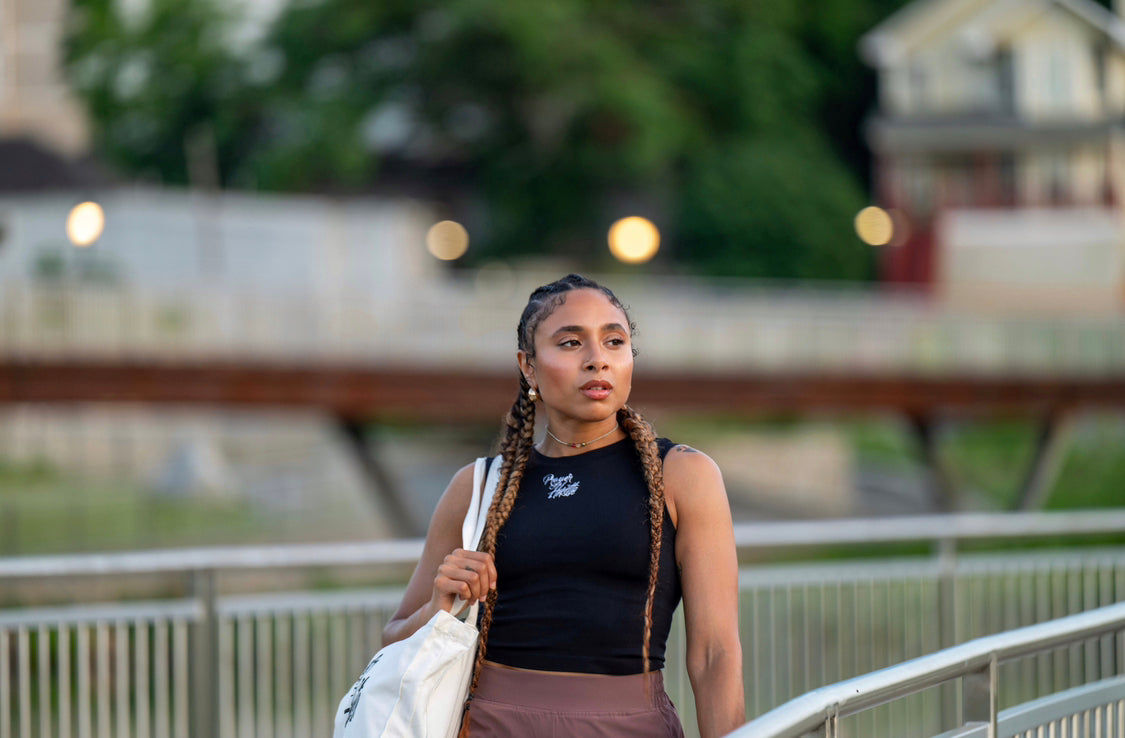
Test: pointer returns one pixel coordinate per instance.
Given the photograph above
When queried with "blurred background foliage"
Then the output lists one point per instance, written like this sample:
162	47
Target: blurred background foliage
736	126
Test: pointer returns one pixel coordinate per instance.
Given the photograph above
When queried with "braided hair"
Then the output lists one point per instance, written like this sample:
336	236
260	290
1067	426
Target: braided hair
517	439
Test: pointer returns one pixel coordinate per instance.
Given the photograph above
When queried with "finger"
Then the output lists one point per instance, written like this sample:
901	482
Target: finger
447	591
485	565
486	575
478	582
463	581
492	570
477	561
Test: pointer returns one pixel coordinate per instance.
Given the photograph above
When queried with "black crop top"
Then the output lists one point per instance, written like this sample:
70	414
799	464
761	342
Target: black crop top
572	564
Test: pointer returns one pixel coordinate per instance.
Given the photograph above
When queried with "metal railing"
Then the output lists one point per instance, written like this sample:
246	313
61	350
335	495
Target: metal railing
1095	710
976	662
216	660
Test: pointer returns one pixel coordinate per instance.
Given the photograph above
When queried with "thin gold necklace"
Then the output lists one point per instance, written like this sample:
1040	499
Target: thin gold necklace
583	444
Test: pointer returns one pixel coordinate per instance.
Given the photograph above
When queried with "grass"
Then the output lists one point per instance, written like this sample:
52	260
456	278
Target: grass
991	459
44	511
1093	472
986	459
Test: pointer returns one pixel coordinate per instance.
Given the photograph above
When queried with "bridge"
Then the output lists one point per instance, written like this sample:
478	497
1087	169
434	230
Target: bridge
444	352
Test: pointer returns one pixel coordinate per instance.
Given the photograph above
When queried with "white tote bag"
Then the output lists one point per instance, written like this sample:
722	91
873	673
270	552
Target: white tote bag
416	687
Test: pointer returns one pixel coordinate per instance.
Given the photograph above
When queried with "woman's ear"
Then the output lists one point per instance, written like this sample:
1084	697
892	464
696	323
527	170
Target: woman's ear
526	367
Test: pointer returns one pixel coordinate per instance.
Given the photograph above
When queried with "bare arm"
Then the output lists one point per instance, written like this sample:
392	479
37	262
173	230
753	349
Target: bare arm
445	571
705	553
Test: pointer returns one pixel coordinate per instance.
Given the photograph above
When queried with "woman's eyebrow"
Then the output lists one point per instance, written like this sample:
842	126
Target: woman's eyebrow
608	327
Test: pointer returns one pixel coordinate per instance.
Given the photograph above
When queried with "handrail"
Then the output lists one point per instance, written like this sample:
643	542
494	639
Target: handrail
811	710
749	537
216	558
947	527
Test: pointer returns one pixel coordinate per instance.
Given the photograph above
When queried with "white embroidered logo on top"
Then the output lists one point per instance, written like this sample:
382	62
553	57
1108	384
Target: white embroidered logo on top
560	486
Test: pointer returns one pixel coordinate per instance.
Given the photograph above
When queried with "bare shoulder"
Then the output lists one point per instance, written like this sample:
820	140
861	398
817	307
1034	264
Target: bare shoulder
462	480
691	479
684	460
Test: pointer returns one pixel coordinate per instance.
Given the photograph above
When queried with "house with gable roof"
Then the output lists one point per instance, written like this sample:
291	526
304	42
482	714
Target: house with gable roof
35	101
999	147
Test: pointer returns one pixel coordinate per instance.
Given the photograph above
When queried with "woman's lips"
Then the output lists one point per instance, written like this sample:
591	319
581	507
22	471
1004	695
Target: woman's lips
597	390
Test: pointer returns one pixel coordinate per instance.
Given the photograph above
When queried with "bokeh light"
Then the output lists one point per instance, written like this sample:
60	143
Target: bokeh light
447	240
874	226
85	224
634	240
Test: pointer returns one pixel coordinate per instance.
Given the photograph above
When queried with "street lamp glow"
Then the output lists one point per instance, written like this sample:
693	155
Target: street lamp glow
447	240
634	240
874	226
85	224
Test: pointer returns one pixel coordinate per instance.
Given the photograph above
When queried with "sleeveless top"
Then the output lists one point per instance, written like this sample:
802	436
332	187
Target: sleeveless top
572	563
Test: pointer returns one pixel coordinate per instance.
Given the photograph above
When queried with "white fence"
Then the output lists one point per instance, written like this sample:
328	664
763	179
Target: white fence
217	661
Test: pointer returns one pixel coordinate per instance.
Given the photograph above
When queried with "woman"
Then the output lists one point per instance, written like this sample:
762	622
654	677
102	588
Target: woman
594	534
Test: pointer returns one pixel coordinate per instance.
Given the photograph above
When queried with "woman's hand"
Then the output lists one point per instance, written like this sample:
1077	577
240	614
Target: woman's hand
469	575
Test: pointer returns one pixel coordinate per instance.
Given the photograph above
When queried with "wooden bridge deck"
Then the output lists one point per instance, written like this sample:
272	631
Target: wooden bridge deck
359	393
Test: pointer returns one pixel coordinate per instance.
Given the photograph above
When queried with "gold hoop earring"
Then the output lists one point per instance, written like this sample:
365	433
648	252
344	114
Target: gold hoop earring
532	394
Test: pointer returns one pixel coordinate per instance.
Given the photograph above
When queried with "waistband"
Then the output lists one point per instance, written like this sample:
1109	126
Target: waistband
553	691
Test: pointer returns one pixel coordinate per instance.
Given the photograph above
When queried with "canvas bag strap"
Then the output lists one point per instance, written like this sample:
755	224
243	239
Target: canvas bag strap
486	473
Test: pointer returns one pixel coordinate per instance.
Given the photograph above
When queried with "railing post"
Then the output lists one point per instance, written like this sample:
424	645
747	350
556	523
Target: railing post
204	658
975	697
947	620
979	699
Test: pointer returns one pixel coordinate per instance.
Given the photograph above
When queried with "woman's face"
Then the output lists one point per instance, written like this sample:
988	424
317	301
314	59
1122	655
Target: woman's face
583	363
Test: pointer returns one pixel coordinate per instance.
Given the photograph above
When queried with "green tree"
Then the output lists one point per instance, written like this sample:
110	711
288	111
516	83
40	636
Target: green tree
537	123
162	86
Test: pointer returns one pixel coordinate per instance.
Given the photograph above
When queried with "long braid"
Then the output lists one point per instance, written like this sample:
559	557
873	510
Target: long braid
644	439
515	449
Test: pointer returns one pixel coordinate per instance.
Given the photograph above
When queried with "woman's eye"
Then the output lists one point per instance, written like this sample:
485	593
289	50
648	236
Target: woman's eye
569	342
616	342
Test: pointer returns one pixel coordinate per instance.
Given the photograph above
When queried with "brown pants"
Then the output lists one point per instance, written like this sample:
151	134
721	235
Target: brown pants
515	703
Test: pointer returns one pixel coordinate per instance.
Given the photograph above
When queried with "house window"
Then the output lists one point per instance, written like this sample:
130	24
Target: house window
1101	59
1006	179
958	181
1057	174
1058	80
1005	82
919	89
917	180
981	88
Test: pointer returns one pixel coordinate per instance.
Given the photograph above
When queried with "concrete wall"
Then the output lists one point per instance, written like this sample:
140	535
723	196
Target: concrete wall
169	240
1069	260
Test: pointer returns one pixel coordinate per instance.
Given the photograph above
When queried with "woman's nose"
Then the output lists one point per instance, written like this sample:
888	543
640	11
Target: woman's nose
596	359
